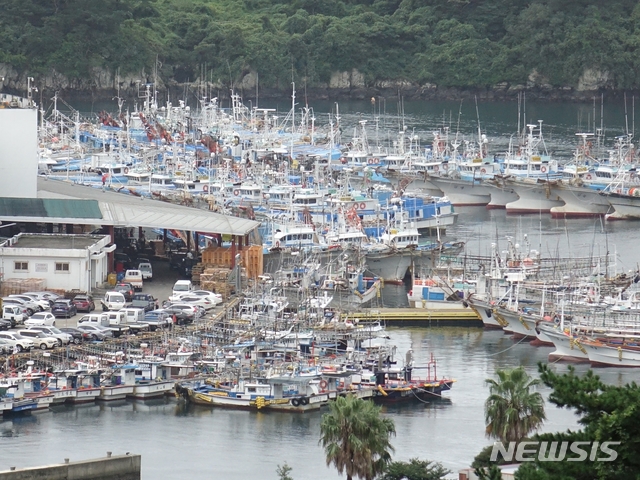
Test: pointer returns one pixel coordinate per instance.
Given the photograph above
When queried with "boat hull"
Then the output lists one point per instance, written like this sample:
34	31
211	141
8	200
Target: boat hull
501	196
611	356
533	197
85	395
151	390
579	202
625	206
423	392
119	392
390	266
567	348
463	193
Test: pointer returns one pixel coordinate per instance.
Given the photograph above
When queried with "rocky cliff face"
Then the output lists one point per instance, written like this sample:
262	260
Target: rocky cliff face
104	84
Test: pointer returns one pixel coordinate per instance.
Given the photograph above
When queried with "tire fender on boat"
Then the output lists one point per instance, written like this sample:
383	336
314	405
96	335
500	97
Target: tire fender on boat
304	401
295	402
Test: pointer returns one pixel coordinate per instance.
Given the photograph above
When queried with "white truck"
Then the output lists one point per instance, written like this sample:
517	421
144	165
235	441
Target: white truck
127	319
113	301
134	277
13	313
105	320
147	270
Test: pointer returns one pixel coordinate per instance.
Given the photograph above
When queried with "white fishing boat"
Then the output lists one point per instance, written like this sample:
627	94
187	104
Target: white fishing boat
119	383
533	196
462	192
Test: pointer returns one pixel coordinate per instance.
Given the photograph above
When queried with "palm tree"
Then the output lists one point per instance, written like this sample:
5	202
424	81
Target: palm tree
513	410
355	437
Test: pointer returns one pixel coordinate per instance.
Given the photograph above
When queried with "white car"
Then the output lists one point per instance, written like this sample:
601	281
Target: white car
7	346
22	343
41	303
40	339
195	310
205	302
50	296
216	298
42	318
59	335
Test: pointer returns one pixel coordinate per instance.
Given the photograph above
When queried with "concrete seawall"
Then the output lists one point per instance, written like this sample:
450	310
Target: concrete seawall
120	467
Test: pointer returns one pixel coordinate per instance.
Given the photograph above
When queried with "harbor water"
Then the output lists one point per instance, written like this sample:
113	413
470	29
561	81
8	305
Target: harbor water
182	442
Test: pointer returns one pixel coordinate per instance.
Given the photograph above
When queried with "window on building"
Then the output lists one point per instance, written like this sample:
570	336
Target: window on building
62	267
21	266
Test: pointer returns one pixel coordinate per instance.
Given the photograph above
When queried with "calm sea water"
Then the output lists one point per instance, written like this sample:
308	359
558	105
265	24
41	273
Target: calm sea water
182	442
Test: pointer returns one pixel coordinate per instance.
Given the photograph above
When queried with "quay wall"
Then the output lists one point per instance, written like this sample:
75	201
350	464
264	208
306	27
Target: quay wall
120	467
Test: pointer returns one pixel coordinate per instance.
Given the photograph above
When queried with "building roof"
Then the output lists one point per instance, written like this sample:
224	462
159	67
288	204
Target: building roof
54	241
63	202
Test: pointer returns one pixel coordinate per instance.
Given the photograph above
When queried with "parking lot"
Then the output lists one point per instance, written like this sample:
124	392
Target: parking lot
160	287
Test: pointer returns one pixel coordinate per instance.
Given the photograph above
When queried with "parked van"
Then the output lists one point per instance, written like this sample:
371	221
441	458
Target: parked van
181	287
113	301
134	277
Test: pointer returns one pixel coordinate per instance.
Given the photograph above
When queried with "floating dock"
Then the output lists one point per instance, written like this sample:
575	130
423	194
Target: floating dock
419	317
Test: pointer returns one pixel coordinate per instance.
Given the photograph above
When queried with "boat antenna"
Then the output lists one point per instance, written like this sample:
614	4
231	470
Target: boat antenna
626	117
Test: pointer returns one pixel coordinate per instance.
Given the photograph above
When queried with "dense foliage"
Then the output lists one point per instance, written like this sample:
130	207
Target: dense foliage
607	413
451	43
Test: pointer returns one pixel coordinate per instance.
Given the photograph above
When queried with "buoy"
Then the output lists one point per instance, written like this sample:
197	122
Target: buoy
236	192
543	169
205	188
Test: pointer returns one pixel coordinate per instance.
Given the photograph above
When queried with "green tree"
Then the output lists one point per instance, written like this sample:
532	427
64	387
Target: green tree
284	471
513	410
491	473
607	414
356	437
415	469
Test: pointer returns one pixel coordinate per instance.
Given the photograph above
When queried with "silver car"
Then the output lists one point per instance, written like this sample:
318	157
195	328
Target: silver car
63	338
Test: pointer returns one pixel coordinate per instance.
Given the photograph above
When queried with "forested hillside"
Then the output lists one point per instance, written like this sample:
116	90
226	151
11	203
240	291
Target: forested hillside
448	43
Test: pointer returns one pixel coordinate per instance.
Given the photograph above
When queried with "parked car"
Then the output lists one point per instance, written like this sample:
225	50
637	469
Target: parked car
40	304
204	302
96	332
215	298
126	289
183	316
40	339
77	336
41	318
6	346
145	301
22	343
28	308
63	338
84	303
52	297
113	301
5	324
63	308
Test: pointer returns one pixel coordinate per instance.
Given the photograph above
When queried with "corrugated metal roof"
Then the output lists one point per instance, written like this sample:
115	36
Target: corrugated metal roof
49	208
117	209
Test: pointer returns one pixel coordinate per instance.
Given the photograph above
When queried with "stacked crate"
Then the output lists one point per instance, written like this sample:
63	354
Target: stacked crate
13	286
251	258
215	280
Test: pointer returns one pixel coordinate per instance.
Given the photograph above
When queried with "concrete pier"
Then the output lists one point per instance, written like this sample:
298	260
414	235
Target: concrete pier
118	467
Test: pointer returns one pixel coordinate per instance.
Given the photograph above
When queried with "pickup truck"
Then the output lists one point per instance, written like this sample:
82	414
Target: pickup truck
158	319
104	320
134	277
147	270
145	301
13	314
129	318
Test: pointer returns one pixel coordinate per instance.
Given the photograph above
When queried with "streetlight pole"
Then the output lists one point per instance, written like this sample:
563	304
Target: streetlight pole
30	90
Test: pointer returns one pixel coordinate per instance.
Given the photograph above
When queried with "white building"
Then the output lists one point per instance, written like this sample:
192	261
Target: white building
18	147
64	261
